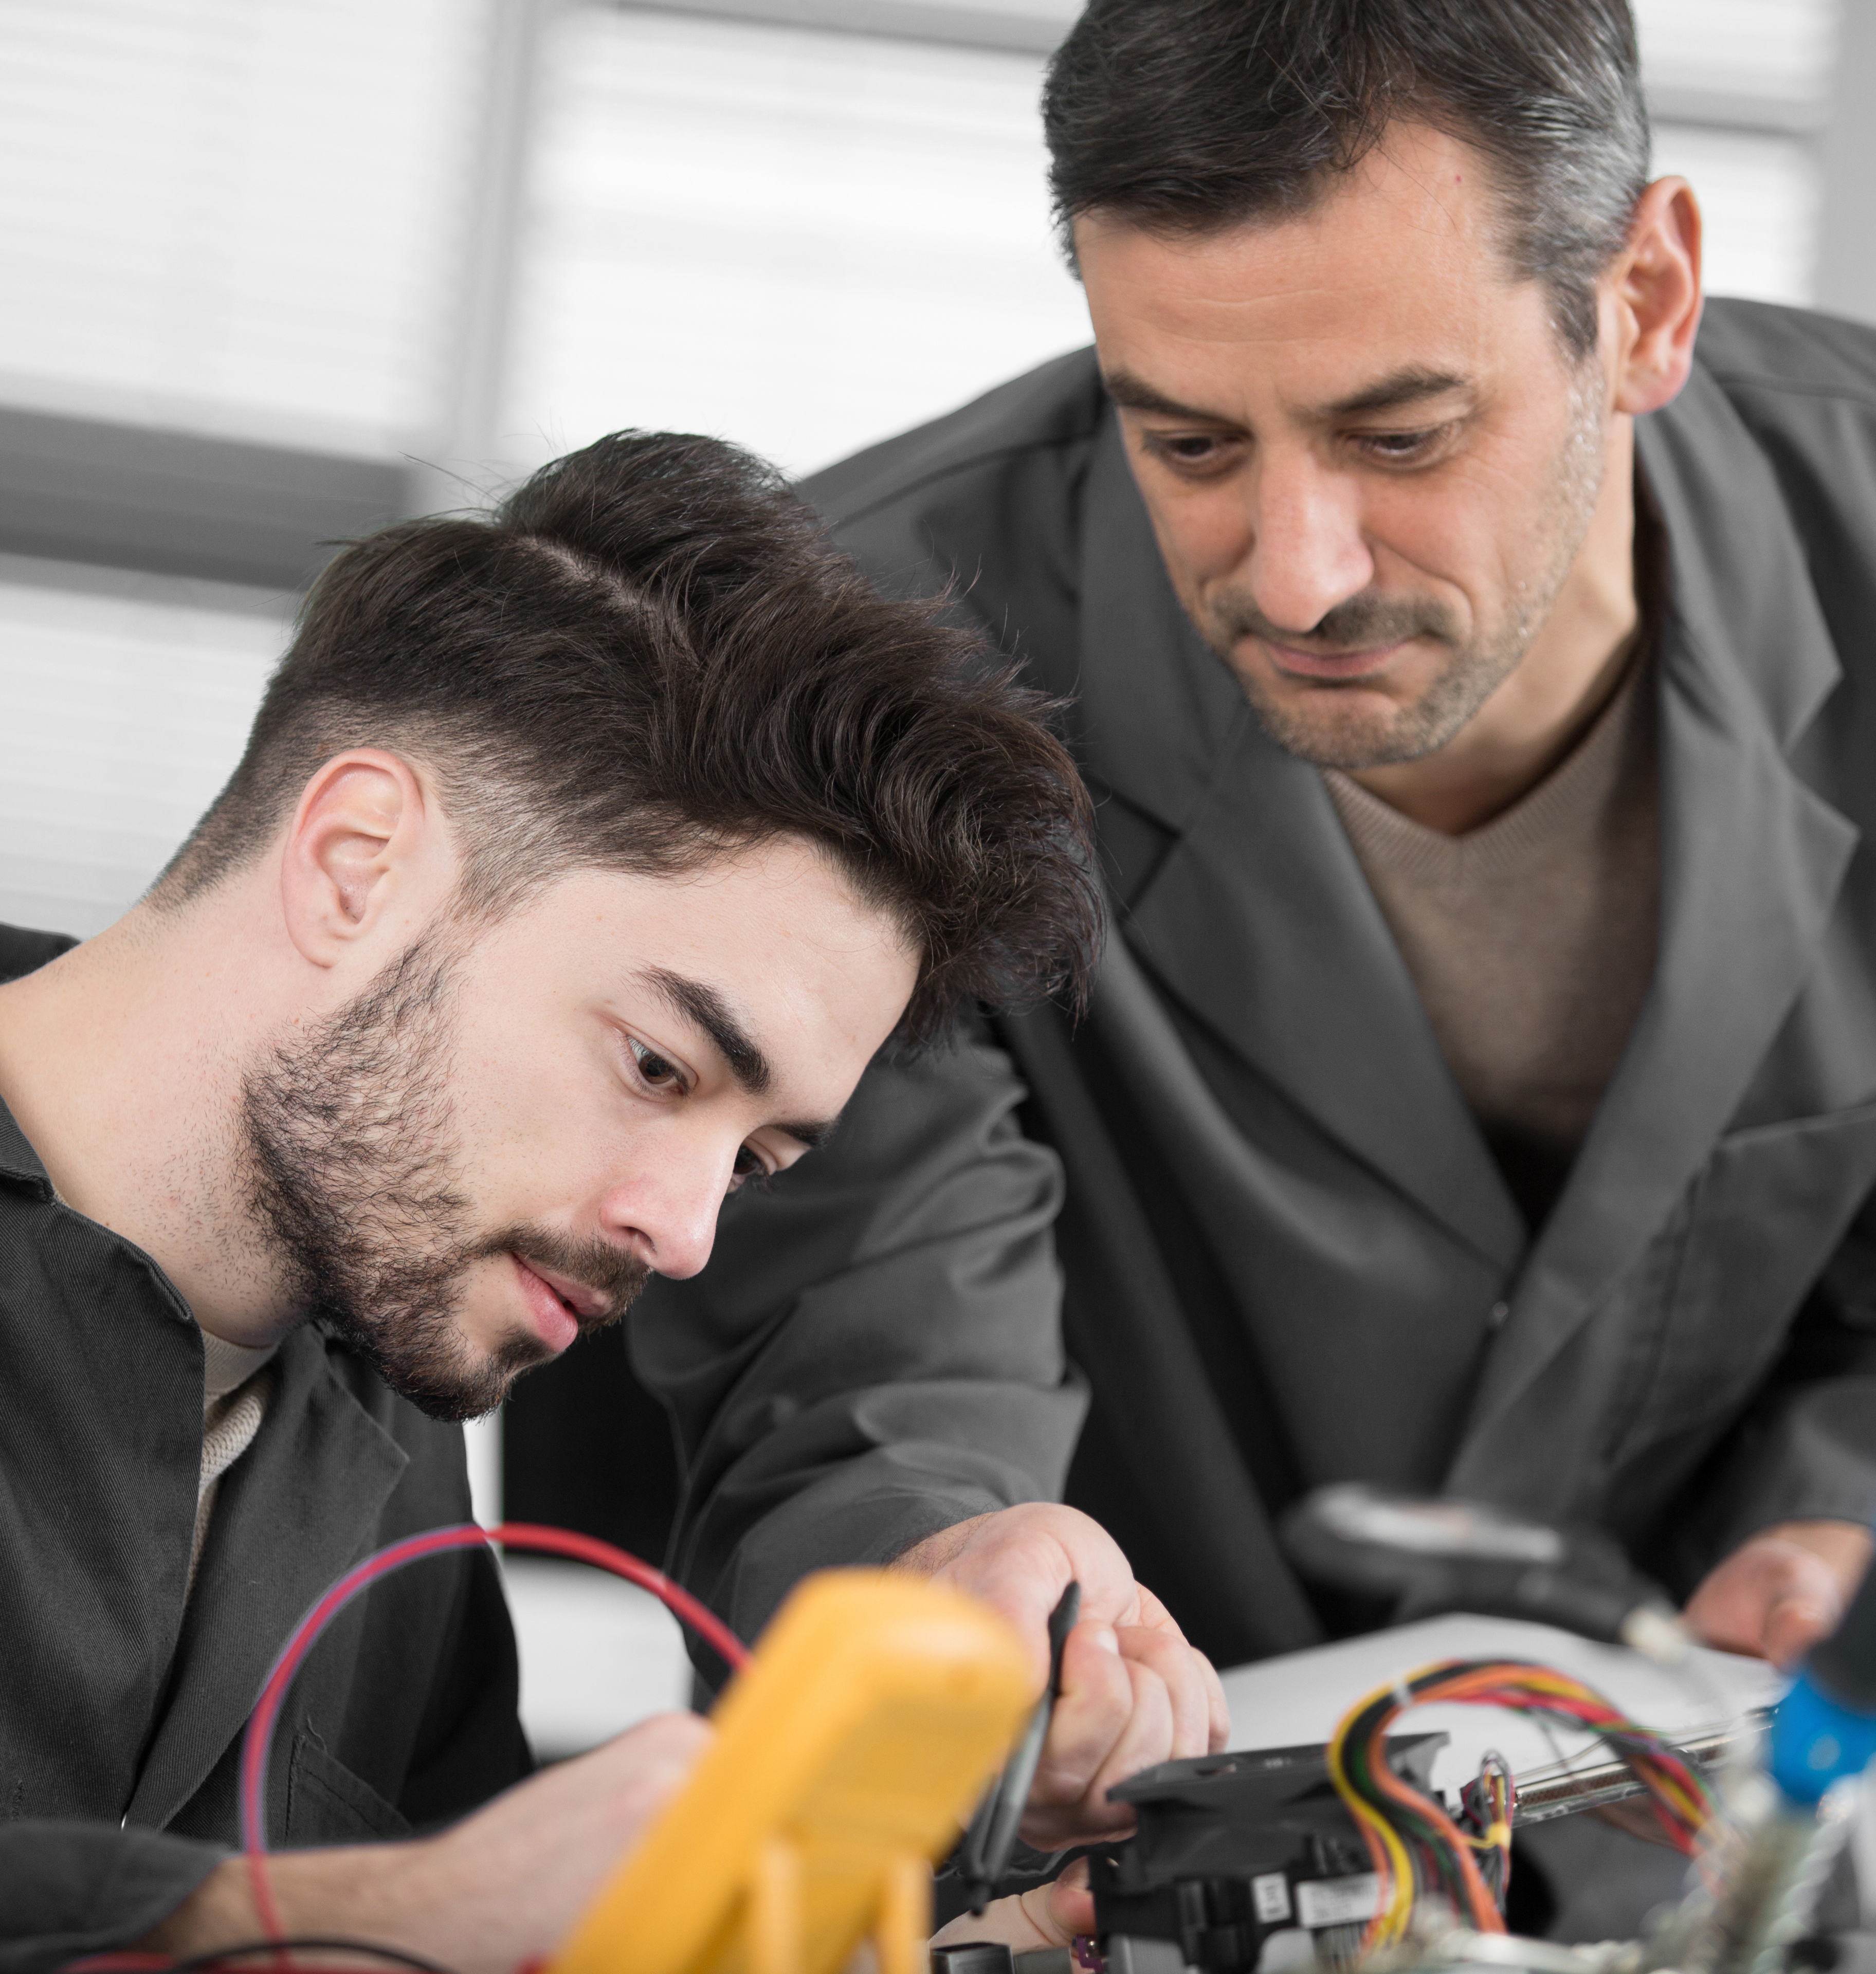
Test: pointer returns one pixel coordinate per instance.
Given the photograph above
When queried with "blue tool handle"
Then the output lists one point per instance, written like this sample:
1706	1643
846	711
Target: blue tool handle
1825	1727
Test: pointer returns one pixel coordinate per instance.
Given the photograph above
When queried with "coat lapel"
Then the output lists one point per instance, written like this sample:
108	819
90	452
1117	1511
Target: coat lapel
1751	862
294	1512
1258	919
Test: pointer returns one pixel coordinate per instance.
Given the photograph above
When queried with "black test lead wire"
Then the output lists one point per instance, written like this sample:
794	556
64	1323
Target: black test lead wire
985	1854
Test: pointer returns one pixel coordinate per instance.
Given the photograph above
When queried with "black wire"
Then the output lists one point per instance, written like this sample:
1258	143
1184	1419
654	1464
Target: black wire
333	1944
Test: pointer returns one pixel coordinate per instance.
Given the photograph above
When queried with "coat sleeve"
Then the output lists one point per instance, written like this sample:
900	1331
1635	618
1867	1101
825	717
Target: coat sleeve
71	1888
1806	1446
874	1352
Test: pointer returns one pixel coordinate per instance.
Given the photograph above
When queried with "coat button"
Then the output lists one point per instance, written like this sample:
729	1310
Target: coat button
1499	1310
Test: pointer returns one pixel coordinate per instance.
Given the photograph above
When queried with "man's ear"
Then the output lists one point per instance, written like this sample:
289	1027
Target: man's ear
1654	287
362	855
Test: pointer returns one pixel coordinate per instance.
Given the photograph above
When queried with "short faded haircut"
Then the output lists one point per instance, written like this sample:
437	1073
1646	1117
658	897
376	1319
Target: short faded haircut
650	655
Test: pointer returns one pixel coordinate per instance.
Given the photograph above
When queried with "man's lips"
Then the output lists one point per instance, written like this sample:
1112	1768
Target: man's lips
552	1307
1331	664
582	1297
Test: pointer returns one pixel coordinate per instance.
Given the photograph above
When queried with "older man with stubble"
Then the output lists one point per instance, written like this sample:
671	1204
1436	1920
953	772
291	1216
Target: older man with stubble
1472	646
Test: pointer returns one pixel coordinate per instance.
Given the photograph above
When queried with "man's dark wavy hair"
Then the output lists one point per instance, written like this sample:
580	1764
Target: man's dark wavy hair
1187	116
649	654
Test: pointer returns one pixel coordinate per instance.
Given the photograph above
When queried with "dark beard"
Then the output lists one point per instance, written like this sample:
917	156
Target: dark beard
1311	732
353	1159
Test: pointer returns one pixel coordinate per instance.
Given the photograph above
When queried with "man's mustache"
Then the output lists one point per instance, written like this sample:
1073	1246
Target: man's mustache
607	1270
1362	623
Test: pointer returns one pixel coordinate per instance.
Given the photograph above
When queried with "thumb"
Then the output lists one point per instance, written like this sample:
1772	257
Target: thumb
1070	1904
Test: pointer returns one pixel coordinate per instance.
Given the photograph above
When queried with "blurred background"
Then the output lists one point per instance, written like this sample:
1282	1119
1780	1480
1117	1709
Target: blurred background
277	270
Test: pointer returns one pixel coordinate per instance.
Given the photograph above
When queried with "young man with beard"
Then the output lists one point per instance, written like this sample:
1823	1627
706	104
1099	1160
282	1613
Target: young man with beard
579	860
1474	658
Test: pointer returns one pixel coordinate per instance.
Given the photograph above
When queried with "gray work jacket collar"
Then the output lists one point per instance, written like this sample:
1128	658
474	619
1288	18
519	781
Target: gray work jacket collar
294	1511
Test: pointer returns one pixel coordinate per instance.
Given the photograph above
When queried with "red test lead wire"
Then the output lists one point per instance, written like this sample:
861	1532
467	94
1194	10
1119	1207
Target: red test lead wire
526	1536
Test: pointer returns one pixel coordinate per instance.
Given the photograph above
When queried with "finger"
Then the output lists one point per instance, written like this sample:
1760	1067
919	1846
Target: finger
1149	1610
1147	1740
1067	1905
1218	1708
1010	1922
1089	1717
1154	1614
1179	1667
1794	1623
1071	1904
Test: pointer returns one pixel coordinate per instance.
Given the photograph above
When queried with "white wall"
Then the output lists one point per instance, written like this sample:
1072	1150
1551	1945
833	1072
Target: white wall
123	706
804	241
237	214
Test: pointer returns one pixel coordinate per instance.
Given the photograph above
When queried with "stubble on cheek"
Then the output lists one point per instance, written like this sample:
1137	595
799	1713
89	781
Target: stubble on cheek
350	1143
1395	717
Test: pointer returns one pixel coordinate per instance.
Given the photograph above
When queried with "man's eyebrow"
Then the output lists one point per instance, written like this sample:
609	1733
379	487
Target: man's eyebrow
696	1002
1411	384
813	1135
1138	396
703	1005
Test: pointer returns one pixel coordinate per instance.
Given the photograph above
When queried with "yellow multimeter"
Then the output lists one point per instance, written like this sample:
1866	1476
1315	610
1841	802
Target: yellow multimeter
848	1754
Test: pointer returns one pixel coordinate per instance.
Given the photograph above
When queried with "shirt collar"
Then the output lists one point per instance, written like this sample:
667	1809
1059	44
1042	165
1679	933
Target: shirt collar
18	1160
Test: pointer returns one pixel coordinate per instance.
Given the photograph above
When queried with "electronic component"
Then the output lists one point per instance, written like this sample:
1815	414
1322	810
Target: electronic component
1231	1849
1347	1843
1420	1853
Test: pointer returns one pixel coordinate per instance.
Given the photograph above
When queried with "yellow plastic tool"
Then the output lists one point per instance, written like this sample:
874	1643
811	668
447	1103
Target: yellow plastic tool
848	1754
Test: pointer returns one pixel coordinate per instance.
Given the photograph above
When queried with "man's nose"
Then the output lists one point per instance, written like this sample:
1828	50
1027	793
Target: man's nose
1307	550
668	1215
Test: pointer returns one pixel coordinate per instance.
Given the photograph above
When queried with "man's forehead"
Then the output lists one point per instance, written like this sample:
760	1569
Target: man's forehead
1402	257
1416	191
1222	351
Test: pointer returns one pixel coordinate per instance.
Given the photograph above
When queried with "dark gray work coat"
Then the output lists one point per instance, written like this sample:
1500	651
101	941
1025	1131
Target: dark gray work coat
1289	1256
121	1712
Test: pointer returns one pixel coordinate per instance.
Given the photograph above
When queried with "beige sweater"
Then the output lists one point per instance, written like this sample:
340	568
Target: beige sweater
236	1386
1532	939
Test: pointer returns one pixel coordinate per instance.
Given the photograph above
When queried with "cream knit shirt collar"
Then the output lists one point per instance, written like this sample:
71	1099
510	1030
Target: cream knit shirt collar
237	1384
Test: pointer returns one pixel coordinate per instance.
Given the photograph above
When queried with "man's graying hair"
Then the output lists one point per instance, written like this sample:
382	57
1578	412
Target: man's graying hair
649	654
1186	116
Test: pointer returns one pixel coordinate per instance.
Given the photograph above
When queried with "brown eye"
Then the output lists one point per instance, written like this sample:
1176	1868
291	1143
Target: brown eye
749	1166
660	1073
1403	447
1185	448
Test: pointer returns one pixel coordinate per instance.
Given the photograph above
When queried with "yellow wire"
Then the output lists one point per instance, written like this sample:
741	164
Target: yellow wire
1390	1921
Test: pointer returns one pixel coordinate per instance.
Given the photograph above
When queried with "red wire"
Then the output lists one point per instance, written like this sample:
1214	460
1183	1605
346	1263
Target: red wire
257	1740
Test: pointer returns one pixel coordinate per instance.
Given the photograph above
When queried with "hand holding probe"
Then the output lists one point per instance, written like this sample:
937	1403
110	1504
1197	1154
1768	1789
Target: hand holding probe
985	1854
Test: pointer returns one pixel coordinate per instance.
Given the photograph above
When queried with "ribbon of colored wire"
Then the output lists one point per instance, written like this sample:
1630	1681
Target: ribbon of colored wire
1416	1847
